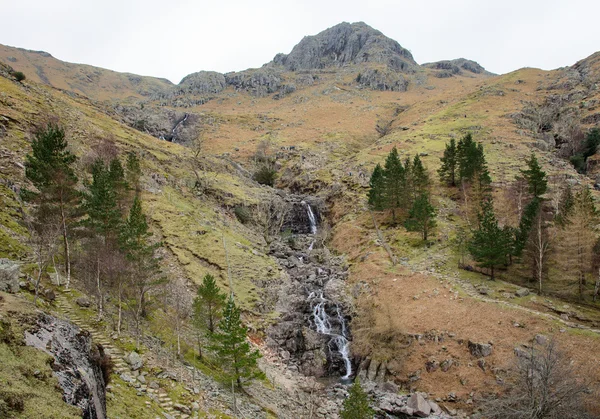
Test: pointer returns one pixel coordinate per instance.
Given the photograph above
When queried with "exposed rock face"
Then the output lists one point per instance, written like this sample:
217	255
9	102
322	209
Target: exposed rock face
9	276
202	82
419	405
479	350
448	68
382	79
347	43
76	363
259	82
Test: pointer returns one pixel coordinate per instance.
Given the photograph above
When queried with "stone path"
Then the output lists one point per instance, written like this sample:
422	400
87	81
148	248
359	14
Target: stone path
118	357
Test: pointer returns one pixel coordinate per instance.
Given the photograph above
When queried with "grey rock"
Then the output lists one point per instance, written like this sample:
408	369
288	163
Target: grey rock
154	385
541	340
83	302
75	363
182	408
522	292
372	371
9	276
195	407
202	82
419	405
346	43
457	66
382	79
479	350
141	379
134	360
435	409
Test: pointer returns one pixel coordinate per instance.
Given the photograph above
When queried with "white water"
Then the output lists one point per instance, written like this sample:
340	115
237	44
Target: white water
332	326
311	217
173	134
325	325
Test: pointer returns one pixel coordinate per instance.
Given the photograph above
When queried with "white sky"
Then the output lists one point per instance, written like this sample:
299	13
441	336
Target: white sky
174	38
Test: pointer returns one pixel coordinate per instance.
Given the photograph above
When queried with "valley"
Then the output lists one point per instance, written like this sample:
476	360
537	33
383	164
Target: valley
330	288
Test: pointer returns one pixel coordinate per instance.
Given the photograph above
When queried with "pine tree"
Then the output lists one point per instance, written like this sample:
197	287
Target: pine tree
232	348
488	246
207	307
419	177
422	216
100	202
535	177
447	171
466	155
135	242
133	171
376	189
525	226
356	406
49	169
565	207
394	182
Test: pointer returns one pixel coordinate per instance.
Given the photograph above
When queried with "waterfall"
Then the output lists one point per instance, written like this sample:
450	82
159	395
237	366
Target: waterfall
311	217
333	326
173	133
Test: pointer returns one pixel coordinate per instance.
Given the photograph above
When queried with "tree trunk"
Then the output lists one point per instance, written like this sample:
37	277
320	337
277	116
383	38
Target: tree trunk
597	286
55	271
120	308
37	284
199	347
66	243
100	302
492	272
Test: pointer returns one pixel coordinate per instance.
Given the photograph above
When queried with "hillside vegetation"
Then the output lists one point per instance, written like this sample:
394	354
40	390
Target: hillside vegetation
322	126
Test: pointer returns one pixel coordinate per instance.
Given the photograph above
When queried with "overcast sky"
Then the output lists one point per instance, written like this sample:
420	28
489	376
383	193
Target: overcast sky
176	37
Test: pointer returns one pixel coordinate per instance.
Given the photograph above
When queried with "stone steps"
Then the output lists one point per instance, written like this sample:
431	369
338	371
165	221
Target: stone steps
118	357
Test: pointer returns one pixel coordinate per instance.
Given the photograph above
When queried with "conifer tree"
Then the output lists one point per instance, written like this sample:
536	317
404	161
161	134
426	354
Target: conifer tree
565	207
447	171
207	307
422	216
133	171
535	177
394	182
356	406
232	348
419	177
488	246
376	192
49	168
104	222
135	242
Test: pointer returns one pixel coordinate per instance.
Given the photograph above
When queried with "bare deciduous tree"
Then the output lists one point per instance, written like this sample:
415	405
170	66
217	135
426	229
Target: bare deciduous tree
543	385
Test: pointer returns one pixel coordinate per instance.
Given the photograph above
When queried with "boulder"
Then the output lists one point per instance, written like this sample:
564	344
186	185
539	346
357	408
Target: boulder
435	409
83	302
419	405
9	276
134	360
480	350
541	340
182	408
49	295
522	292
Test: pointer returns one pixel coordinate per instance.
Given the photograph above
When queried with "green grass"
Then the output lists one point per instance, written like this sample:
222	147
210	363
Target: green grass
26	379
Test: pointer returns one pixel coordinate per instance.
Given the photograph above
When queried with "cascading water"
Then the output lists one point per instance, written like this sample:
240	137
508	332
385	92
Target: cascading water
311	218
335	327
173	132
334	324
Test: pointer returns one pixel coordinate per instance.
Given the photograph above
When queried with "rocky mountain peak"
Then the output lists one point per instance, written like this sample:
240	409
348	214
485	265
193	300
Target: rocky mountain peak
347	43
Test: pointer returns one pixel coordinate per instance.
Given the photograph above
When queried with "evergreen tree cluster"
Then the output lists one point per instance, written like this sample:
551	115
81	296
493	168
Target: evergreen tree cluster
403	189
464	162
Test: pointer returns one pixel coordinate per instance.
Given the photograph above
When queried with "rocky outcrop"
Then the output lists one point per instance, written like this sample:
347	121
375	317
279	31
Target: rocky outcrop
201	83
382	79
258	82
9	276
77	363
480	350
449	68
347	43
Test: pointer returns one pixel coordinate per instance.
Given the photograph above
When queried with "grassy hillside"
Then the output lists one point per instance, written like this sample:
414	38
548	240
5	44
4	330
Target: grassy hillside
331	126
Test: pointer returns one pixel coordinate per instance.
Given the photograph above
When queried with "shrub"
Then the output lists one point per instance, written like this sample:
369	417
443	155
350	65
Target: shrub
242	214
18	75
265	175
